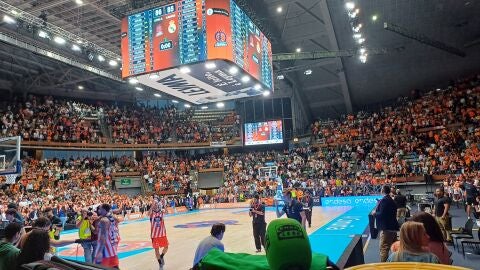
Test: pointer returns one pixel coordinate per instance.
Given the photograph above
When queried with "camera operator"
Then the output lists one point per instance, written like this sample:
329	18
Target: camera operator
257	212
85	227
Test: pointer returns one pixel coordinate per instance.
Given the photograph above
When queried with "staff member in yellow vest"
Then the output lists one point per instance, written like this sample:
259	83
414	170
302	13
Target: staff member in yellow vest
85	228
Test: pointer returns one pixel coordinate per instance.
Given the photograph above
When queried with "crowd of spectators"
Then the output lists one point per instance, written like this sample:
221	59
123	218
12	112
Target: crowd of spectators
44	118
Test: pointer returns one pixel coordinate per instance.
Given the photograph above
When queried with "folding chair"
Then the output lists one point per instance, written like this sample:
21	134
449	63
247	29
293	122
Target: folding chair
473	244
463	233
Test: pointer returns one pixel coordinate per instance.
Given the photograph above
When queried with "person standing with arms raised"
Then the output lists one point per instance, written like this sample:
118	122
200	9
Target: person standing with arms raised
292	208
386	218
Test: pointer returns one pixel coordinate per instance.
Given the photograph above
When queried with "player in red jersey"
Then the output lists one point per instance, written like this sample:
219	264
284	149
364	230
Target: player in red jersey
108	238
158	232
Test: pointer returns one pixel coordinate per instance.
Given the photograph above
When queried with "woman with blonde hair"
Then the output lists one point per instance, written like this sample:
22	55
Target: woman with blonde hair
413	237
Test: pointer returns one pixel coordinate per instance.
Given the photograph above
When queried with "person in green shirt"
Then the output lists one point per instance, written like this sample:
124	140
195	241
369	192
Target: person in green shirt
8	252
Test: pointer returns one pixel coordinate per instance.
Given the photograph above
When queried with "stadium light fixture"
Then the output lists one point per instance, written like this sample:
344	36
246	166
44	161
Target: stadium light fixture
59	40
266	93
79	2
76	48
220	105
139	88
308	72
298	50
133	81
187	106
210	65
14	12
357	36
257	86
245	78
204	107
363	58
113	63
350	5
374	18
100	58
157	95
175	101
360	40
233	70
153	76
279	9
362	50
43	34
8	19
80	87
79	41
280	77
185	70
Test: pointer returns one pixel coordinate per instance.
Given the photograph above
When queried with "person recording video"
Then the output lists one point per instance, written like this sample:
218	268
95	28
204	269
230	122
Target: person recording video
84	223
257	212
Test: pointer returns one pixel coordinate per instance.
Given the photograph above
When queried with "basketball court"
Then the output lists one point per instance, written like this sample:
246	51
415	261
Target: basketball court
186	230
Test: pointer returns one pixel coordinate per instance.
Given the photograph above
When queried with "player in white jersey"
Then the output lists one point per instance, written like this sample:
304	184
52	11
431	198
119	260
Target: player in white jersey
158	232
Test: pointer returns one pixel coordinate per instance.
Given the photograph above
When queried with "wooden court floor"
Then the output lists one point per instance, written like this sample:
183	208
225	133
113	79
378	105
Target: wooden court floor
185	231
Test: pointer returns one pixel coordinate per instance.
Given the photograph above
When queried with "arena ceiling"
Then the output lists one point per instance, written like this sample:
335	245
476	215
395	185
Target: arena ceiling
395	65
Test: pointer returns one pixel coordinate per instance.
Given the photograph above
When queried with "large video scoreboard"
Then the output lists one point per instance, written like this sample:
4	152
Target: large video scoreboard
188	33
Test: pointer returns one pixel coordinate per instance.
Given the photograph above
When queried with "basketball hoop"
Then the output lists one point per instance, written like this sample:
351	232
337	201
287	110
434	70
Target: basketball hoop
11	178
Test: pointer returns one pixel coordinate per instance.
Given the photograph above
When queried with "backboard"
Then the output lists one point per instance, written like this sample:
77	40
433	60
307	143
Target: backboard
10	163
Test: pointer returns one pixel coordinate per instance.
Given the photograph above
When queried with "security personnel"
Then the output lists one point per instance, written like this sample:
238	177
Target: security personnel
257	212
307	202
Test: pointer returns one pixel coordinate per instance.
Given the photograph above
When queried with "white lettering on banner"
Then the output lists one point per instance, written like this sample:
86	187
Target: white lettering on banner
347	201
182	85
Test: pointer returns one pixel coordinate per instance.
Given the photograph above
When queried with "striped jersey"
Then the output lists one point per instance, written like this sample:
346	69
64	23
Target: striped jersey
157	226
113	238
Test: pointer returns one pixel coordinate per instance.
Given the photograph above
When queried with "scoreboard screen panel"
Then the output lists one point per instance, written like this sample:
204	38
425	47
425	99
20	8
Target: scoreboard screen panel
259	133
189	32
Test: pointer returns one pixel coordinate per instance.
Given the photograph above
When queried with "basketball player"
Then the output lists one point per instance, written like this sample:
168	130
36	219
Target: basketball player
108	238
158	232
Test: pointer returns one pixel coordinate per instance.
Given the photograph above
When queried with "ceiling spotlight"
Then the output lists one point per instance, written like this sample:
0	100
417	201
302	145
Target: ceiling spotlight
187	105
139	88
280	77
210	65
185	70
59	40
257	86
153	76
233	70
79	41
374	18
266	93
245	78
357	28
308	72
79	2
350	5
43	34
204	107
360	40
100	58
363	58
175	101
8	19
132	81
298	50
157	95
279	9
118	59
76	48
362	50
80	87
220	105
113	63
14	12
357	36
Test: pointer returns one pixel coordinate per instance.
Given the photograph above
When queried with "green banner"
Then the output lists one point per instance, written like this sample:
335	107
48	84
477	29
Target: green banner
126	182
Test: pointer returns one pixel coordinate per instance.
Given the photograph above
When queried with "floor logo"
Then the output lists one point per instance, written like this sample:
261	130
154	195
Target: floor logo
203	224
125	249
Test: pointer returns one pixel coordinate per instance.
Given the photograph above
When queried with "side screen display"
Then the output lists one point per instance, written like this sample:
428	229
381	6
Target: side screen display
263	133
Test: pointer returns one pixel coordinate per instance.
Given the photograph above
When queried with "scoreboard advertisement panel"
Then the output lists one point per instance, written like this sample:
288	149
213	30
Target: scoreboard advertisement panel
269	132
179	38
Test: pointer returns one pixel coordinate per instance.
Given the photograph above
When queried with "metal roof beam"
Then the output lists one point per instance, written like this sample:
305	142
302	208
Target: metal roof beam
327	103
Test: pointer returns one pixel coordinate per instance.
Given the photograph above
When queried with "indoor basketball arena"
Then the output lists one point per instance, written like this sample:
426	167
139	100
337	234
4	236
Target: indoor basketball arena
239	134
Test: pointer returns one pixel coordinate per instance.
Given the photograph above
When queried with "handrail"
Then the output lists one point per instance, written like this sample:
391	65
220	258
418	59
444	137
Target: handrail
117	146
